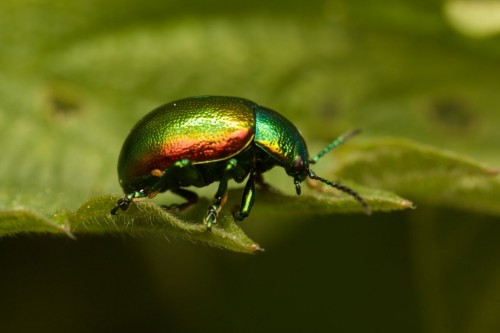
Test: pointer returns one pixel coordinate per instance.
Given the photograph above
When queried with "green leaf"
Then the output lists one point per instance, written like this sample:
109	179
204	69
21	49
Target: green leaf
423	173
13	222
93	217
378	200
147	218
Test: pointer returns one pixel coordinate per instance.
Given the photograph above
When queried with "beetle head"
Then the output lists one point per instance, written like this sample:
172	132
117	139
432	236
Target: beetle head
299	171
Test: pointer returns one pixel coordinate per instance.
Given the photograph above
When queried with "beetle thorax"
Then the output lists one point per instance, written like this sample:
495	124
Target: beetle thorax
282	142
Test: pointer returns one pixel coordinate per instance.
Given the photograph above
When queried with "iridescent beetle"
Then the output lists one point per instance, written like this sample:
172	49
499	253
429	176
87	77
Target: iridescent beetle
200	140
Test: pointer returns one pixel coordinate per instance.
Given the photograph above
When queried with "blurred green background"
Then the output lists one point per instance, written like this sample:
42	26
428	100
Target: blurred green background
76	75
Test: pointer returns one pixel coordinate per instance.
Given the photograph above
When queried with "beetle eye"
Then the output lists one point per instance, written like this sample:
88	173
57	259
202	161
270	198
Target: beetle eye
299	169
298	164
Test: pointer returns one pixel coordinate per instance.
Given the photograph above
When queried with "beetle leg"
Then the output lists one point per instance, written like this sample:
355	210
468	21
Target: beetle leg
124	202
232	170
180	172
248	197
190	196
182	169
213	211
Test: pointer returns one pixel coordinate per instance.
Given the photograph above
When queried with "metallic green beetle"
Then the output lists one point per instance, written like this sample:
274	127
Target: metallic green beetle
200	140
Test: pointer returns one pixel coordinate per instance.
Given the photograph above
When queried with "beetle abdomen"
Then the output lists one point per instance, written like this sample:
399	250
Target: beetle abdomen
202	129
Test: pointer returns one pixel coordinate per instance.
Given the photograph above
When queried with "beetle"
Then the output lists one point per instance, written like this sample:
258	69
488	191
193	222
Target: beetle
200	140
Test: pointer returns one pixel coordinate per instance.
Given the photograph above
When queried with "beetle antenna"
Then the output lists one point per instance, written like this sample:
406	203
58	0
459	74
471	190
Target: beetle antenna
337	142
344	189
